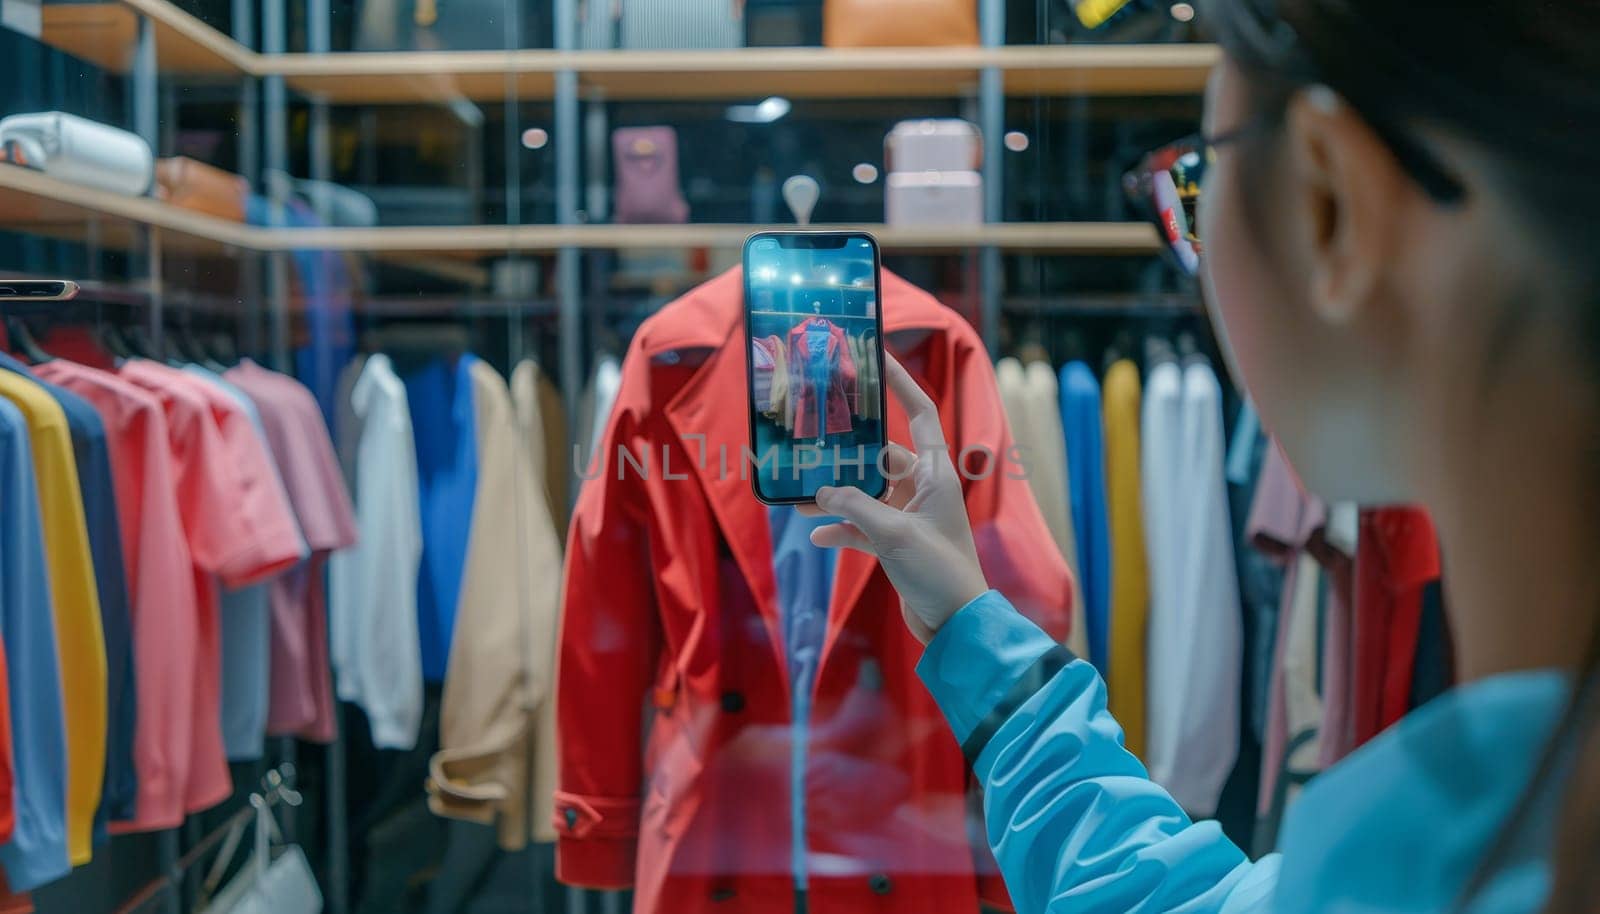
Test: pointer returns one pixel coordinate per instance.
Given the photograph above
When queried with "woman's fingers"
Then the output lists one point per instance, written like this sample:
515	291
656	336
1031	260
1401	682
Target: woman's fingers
867	514
841	536
899	464
927	436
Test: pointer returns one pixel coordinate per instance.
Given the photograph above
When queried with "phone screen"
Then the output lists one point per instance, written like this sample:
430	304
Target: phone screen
814	344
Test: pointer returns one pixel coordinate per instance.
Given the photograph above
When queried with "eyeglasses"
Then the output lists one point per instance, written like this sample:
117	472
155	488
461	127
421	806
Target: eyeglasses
1167	183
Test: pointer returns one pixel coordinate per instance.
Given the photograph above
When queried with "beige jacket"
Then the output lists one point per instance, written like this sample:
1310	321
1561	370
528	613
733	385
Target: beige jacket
542	421
1033	409
497	755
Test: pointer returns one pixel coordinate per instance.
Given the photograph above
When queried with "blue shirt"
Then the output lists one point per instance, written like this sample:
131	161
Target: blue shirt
97	489
1399	826
445	427
37	851
1086	471
325	285
804	576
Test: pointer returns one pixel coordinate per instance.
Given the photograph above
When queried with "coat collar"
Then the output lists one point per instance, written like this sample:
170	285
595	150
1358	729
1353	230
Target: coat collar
710	405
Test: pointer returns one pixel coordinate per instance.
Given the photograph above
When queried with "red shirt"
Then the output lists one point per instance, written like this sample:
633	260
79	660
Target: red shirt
238	529
1397	556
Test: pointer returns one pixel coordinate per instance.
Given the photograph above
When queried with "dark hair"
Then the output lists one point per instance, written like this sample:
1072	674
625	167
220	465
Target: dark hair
1520	81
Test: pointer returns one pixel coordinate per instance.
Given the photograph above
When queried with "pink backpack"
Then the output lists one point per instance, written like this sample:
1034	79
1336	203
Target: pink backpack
645	169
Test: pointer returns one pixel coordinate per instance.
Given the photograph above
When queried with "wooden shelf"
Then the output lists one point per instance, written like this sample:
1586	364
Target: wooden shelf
1084	238
388	78
105	34
37	203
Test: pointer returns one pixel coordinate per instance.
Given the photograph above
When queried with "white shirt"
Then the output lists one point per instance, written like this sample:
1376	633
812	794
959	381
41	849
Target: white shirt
1033	410
372	607
1196	633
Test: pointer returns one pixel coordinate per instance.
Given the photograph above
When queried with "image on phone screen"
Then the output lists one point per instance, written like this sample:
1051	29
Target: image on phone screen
815	349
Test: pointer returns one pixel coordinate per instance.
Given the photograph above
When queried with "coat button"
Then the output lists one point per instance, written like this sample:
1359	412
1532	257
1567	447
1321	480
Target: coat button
723	894
880	884
732	702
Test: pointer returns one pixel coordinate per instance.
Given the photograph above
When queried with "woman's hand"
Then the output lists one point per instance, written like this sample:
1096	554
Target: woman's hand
920	531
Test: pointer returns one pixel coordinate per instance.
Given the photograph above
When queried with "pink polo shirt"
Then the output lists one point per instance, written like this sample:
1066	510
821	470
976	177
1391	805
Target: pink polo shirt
238	527
302	681
164	607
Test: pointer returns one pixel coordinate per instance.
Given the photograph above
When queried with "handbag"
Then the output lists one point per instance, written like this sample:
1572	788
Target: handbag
782	23
79	150
645	166
452	25
680	25
934	144
193	184
899	23
267	885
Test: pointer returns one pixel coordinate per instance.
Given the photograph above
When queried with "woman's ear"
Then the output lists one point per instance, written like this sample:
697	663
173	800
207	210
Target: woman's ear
1349	193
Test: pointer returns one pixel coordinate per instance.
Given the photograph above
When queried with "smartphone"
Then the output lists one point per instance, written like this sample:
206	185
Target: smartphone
814	357
37	289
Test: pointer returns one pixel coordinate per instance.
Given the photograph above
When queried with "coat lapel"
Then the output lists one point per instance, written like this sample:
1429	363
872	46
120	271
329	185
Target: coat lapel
706	417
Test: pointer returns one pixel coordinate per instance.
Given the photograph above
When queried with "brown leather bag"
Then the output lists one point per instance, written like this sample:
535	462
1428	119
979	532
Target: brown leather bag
203	188
899	23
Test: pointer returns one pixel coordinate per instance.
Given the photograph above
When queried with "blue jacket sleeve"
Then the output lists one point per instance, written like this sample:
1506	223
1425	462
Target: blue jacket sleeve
1075	822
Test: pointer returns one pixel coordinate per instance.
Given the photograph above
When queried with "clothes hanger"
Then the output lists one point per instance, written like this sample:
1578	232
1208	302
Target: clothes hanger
141	343
23	343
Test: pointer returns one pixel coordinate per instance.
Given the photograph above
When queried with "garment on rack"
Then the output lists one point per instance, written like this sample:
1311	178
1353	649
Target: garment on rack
440	397
1291	527
372	603
1195	644
672	654
543	420
864	350
496	759
763	361
1032	407
160	575
239	533
91	457
1399	557
326	288
246	619
36	850
1130	584
80	642
822	379
1260	576
302	685
602	393
1081	423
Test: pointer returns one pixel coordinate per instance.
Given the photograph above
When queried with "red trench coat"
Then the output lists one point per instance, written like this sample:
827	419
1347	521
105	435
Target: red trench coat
840	402
674	702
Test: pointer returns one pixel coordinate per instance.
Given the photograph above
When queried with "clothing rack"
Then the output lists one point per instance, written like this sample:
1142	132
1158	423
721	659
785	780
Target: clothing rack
277	787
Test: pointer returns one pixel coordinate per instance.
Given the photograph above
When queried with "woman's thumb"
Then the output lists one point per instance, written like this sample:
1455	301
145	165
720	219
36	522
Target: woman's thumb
869	515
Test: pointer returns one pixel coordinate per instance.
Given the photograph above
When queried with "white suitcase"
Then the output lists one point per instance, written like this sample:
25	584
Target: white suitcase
79	150
934	198
934	144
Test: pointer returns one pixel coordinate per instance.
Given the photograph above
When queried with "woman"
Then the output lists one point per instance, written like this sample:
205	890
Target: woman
1402	255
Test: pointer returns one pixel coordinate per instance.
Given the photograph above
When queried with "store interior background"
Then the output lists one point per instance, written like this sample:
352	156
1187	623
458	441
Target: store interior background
486	151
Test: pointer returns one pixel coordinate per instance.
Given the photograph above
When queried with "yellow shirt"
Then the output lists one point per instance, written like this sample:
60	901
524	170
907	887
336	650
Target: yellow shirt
79	640
1130	583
